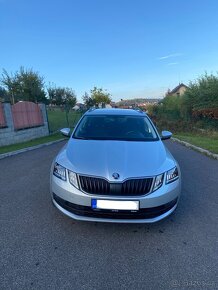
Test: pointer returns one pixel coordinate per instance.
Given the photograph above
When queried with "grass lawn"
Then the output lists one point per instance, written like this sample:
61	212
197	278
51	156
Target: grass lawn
57	119
205	141
30	143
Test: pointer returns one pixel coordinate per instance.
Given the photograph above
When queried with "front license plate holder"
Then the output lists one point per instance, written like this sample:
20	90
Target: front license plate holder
127	205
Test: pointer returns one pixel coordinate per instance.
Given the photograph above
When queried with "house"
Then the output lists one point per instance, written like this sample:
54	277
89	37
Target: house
78	107
177	91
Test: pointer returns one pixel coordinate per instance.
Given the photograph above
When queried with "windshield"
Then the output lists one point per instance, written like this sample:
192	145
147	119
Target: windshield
114	127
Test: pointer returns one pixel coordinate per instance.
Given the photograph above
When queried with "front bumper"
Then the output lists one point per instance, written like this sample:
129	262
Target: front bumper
77	204
86	213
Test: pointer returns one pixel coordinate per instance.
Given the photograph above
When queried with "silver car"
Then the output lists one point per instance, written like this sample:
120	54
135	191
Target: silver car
115	168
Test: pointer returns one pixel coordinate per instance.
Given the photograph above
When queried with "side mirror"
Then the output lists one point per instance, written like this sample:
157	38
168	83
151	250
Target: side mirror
65	132
166	135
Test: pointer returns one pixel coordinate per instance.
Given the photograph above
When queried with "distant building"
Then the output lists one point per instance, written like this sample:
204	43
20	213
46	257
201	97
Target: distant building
78	107
134	103
177	91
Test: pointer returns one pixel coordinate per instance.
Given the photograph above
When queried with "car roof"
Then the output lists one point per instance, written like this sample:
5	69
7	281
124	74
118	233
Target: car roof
114	111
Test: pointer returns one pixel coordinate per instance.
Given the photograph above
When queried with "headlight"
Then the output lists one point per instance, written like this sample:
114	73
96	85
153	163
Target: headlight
73	178
59	171
172	175
158	181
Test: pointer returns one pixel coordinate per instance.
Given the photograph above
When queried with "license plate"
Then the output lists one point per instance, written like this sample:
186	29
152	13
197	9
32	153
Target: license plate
115	204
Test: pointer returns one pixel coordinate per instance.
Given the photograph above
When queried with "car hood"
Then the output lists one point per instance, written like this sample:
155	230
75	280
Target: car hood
104	157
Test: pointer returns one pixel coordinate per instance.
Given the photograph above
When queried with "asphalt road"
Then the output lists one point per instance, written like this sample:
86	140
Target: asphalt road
40	248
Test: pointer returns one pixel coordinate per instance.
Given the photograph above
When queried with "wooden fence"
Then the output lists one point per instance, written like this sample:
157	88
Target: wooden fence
26	115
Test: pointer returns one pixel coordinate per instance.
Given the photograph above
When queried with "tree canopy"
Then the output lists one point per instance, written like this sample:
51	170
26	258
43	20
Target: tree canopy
62	96
202	96
100	95
25	85
88	101
3	95
97	96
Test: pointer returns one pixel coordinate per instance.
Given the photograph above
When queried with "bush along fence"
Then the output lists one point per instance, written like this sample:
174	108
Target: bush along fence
22	122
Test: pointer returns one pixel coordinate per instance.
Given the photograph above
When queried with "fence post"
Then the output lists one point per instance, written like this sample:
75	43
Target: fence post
44	116
8	116
46	112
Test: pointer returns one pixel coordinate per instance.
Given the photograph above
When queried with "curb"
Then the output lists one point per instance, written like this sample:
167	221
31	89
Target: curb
196	148
8	154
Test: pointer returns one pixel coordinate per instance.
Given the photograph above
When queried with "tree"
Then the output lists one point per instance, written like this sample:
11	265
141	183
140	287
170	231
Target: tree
201	99
24	85
69	98
88	101
56	95
10	82
4	97
62	96
100	96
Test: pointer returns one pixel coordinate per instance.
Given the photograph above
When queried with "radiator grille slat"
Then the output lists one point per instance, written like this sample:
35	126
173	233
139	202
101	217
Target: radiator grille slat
100	186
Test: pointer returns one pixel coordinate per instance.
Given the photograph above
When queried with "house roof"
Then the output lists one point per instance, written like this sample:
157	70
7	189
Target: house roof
177	88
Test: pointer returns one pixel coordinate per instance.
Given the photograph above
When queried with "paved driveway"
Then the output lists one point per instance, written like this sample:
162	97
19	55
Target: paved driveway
42	249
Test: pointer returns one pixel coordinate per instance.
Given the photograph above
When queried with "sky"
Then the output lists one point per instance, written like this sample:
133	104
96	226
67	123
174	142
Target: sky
132	48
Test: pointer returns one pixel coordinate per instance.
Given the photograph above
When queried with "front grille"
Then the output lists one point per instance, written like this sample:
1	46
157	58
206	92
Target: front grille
100	186
138	186
142	213
94	185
